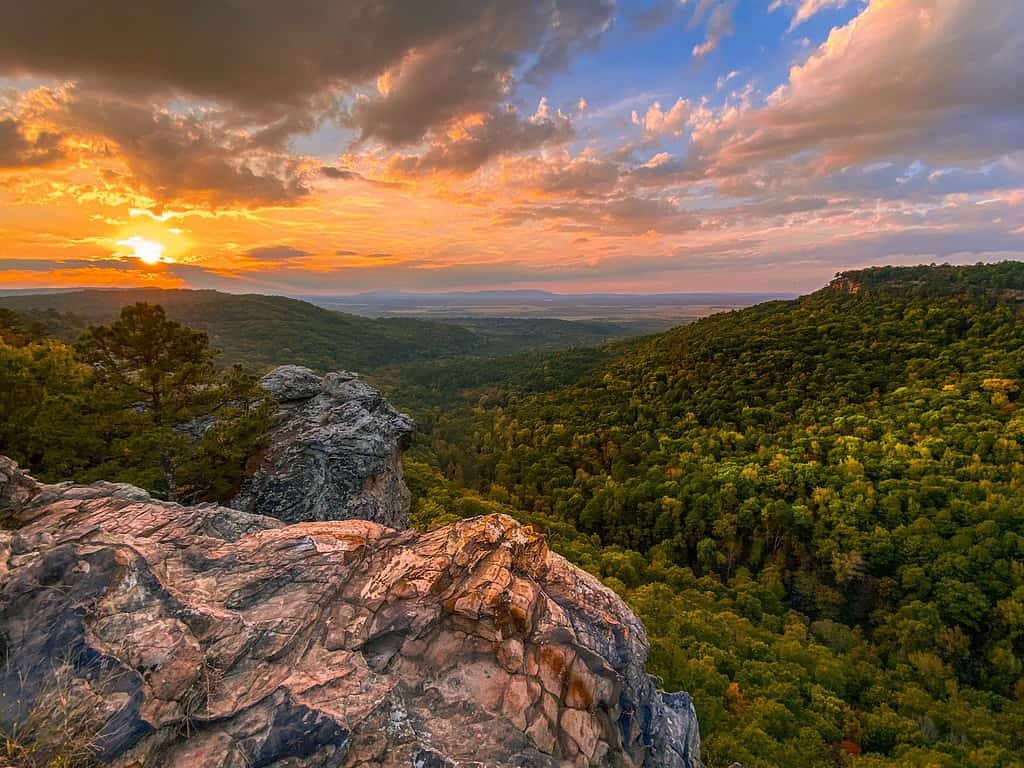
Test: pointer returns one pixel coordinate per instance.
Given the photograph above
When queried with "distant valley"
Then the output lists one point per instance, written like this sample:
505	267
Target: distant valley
641	313
264	331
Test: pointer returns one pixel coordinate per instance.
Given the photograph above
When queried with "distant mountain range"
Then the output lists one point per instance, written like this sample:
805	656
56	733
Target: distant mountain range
643	313
529	296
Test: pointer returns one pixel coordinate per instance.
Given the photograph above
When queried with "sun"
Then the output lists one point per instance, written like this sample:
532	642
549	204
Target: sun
146	251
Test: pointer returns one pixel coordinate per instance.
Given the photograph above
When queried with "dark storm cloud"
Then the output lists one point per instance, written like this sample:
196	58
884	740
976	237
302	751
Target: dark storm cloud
340	174
198	157
201	98
271	59
625	215
580	178
501	132
18	151
344	174
432	88
50	265
472	70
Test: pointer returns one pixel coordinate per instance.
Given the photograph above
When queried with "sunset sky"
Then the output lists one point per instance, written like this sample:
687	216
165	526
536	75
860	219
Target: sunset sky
333	146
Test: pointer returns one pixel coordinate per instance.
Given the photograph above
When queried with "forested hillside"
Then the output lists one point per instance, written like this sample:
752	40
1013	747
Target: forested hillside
817	506
264	331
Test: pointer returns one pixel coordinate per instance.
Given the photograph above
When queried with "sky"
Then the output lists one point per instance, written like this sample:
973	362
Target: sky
341	146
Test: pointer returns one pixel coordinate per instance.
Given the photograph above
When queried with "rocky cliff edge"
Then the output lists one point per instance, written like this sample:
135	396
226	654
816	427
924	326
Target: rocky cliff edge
158	634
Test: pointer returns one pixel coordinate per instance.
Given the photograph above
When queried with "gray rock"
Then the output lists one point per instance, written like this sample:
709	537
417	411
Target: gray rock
679	733
195	429
16	489
291	382
202	636
335	452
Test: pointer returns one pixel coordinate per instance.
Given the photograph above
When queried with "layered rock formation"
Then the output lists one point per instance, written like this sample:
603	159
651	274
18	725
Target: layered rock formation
335	452
214	637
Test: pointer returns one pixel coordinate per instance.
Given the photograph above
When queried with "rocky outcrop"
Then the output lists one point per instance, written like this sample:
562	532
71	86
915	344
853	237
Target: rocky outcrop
335	452
214	637
844	283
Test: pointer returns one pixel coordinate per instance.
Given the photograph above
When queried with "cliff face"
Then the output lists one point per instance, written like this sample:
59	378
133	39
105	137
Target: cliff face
844	284
215	637
335	452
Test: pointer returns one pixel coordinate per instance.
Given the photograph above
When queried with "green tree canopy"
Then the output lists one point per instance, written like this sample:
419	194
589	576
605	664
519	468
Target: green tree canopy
138	400
150	362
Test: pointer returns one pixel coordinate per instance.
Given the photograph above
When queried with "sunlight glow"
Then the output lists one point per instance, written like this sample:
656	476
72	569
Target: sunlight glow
146	251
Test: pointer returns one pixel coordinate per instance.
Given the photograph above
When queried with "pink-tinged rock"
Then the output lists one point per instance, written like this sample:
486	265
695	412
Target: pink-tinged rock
206	636
510	655
518	698
581	730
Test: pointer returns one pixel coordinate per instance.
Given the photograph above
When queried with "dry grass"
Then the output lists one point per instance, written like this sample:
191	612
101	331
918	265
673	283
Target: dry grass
196	700
61	729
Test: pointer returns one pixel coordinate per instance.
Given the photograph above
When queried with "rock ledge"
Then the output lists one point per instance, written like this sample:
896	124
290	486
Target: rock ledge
210	636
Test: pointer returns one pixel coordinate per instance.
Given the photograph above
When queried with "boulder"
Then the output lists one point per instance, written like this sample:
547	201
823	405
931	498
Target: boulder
161	634
335	452
287	383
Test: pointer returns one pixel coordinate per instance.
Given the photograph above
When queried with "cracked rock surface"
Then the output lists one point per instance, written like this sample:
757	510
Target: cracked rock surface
208	636
335	452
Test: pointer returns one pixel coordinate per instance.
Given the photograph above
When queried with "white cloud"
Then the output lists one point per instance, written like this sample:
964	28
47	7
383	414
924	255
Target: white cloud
720	25
805	9
931	80
725	79
659	122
